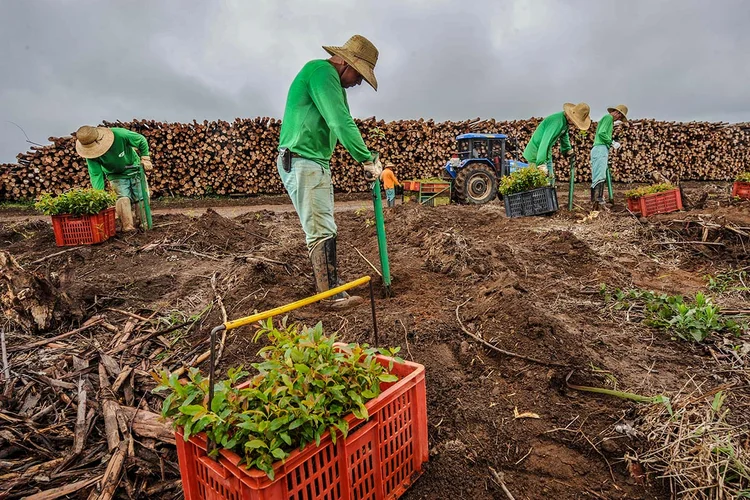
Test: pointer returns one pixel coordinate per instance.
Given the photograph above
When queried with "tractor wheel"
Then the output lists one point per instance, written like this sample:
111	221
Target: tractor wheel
476	184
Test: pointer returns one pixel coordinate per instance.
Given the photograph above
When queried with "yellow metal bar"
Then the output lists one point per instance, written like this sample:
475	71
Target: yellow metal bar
229	325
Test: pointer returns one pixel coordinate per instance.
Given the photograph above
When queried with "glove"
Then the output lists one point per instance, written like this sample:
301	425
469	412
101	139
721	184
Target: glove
615	145
373	169
544	169
568	153
146	162
617	123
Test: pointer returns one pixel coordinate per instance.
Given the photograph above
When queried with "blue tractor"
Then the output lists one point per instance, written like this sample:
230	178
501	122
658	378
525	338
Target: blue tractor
478	164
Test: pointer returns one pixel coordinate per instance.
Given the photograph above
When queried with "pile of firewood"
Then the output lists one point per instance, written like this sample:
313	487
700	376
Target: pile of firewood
223	158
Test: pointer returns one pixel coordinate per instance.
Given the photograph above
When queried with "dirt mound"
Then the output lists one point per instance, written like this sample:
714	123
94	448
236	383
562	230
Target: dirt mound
529	286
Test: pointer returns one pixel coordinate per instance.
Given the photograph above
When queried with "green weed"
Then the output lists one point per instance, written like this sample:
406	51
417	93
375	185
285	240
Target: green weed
694	319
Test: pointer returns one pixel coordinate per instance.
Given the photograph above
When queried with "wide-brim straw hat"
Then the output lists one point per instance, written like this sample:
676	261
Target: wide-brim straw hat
92	142
622	109
361	54
578	114
389	164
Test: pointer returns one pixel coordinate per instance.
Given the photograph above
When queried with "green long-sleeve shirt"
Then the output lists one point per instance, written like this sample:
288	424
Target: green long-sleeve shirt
113	164
317	115
604	131
552	128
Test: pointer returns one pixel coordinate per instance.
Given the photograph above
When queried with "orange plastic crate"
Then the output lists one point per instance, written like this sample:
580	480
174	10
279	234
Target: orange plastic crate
378	460
657	203
71	230
741	189
435	187
411	185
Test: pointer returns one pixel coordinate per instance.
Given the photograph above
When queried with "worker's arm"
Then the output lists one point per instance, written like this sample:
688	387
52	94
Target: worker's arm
604	130
328	96
136	140
95	174
565	142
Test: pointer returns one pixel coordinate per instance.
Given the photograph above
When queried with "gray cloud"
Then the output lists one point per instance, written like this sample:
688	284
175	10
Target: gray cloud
66	63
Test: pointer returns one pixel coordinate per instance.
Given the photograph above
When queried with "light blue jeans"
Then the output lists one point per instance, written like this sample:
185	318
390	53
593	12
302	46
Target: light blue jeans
128	188
390	194
599	161
311	191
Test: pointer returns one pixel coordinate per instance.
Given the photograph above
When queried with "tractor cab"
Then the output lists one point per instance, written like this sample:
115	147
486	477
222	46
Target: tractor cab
477	163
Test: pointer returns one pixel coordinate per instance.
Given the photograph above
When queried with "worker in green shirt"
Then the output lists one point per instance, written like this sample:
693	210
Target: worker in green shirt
316	117
600	152
119	156
538	152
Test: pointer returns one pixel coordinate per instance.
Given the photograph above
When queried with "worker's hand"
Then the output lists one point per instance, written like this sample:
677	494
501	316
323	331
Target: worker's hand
146	162
615	145
568	153
544	169
373	169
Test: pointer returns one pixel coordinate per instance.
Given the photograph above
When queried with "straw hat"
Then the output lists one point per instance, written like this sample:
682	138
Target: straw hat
578	114
389	164
622	109
92	142
360	54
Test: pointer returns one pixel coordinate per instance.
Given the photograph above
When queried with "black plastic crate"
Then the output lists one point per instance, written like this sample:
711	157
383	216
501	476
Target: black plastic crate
535	202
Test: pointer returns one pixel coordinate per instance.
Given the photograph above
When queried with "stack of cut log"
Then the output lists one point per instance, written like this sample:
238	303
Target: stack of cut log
219	157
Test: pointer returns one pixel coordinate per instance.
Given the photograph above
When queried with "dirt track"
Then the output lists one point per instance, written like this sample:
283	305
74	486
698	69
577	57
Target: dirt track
528	285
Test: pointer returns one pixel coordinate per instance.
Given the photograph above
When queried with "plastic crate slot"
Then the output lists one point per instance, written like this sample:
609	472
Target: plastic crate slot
317	477
363	471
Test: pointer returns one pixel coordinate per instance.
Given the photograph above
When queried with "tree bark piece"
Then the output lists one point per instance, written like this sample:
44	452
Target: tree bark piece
31	301
62	491
148	424
113	473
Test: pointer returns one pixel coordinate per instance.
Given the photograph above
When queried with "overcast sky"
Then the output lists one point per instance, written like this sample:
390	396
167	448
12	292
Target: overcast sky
65	63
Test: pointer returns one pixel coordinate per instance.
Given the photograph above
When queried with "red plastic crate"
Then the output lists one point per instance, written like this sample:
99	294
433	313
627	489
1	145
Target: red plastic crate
741	189
378	460
72	230
657	203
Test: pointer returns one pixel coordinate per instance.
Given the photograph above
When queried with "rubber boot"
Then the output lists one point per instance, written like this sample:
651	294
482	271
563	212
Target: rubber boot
325	270
125	214
600	203
137	215
391	203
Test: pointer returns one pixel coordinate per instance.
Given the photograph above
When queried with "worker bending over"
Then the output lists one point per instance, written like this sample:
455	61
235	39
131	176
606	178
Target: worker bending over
538	152
121	157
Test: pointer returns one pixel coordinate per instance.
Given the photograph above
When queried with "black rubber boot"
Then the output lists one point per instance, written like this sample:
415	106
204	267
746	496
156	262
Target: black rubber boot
600	192
599	202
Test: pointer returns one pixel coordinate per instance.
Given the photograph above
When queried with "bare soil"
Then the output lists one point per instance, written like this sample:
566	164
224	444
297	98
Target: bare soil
528	285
